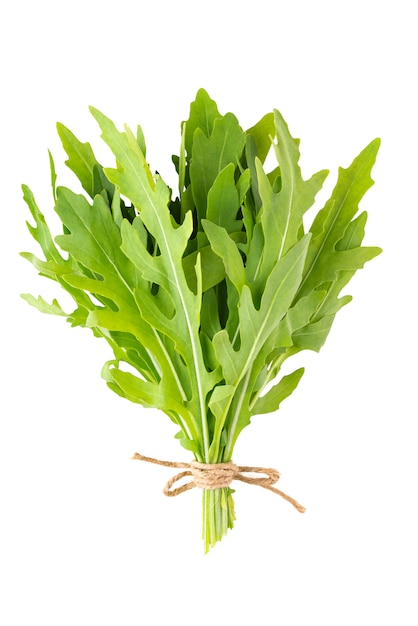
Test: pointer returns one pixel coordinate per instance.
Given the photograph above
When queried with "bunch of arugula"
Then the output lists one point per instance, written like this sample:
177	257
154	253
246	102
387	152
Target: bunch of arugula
204	296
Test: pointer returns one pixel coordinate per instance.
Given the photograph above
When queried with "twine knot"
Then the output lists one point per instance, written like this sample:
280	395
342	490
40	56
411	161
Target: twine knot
212	476
218	476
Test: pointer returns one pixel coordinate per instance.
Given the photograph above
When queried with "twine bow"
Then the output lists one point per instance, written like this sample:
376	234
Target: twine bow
217	476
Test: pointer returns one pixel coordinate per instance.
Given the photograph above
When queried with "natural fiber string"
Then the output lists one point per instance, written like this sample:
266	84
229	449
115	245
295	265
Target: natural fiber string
217	476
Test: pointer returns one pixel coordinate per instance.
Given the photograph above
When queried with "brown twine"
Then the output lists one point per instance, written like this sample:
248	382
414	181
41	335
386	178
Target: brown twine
218	475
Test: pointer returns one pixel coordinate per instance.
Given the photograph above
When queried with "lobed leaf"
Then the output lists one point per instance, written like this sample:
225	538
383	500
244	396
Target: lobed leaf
275	396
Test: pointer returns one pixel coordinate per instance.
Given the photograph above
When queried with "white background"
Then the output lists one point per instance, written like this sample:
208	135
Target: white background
86	535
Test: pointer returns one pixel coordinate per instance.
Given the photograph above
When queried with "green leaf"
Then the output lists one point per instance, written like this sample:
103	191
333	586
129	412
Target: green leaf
282	212
297	317
150	267
213	269
219	399
262	134
143	392
223	201
275	396
81	159
101	183
189	444
250	159
324	260
211	154
203	113
182	167
53	175
141	140
41	232
243	185
94	240
43	306
150	197
313	336
222	244
219	403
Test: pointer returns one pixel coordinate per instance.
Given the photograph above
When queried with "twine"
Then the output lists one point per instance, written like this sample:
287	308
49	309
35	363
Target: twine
217	476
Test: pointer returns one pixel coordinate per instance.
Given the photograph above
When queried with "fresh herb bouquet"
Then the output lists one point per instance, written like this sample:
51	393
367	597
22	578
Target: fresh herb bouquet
204	296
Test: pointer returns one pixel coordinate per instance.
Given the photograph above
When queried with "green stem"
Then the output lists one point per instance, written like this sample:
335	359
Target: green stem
218	515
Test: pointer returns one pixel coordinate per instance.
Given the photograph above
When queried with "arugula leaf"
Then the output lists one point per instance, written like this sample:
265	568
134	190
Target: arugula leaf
211	154
324	259
81	159
39	303
203	113
283	211
262	135
151	197
275	396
